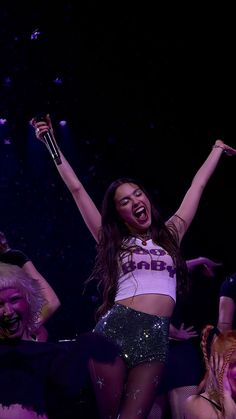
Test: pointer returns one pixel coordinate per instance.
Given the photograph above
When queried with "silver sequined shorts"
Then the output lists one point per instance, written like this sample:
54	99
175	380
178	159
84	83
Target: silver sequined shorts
141	337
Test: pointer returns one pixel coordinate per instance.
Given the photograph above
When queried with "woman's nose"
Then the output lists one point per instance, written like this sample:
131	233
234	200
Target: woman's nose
135	201
7	309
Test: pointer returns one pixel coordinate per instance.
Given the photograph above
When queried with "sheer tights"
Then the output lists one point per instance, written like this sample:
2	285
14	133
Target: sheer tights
108	382
125	395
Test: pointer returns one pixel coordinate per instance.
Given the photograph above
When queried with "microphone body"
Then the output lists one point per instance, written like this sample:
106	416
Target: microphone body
52	147
50	142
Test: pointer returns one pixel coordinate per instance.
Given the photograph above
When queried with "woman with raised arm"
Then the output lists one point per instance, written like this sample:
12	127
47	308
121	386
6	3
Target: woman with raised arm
52	303
139	267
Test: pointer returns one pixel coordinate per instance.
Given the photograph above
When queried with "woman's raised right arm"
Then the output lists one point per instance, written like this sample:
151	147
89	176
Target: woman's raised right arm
87	208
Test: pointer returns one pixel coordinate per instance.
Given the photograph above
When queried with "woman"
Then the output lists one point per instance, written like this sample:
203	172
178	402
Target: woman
21	303
42	379
51	304
137	264
218	398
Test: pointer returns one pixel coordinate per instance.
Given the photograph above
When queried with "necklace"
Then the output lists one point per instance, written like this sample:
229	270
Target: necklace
144	237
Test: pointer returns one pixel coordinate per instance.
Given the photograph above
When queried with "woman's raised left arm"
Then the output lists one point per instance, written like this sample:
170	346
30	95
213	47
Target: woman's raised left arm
188	208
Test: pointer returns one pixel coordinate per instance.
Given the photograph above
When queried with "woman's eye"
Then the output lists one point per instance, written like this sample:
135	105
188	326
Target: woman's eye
15	299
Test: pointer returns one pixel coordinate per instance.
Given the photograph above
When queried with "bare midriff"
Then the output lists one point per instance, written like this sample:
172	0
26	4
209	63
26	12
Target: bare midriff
155	304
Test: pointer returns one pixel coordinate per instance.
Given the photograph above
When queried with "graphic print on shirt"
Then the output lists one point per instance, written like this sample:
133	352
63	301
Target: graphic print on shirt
146	270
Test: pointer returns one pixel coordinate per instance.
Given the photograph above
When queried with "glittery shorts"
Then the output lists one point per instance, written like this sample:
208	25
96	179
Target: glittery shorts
141	337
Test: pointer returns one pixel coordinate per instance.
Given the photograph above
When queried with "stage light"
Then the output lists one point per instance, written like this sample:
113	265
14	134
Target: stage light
35	34
63	123
58	80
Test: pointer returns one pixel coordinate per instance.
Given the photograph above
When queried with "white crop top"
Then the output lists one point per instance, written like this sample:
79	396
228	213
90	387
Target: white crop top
149	270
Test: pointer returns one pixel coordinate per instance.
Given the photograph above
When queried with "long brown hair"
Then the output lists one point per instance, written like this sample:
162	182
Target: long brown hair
112	241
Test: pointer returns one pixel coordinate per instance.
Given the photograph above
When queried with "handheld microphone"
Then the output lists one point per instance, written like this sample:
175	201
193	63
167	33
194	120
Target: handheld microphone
50	142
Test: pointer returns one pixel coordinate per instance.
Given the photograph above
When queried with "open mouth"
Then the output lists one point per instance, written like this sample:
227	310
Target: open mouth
11	325
141	213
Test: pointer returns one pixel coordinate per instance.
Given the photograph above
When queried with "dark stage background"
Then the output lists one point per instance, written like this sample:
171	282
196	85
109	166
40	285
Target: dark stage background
145	93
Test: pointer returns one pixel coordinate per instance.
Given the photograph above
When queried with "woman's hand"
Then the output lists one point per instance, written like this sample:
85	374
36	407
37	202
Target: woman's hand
229	151
182	333
42	127
209	267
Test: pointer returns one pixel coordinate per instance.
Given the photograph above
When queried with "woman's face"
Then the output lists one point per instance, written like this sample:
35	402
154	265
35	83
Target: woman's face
133	207
14	313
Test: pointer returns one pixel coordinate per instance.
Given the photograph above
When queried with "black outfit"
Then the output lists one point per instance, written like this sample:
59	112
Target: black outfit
185	366
51	377
141	337
228	287
14	257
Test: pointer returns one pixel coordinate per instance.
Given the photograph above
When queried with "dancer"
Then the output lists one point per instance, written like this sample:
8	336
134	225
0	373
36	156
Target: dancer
217	392
52	303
